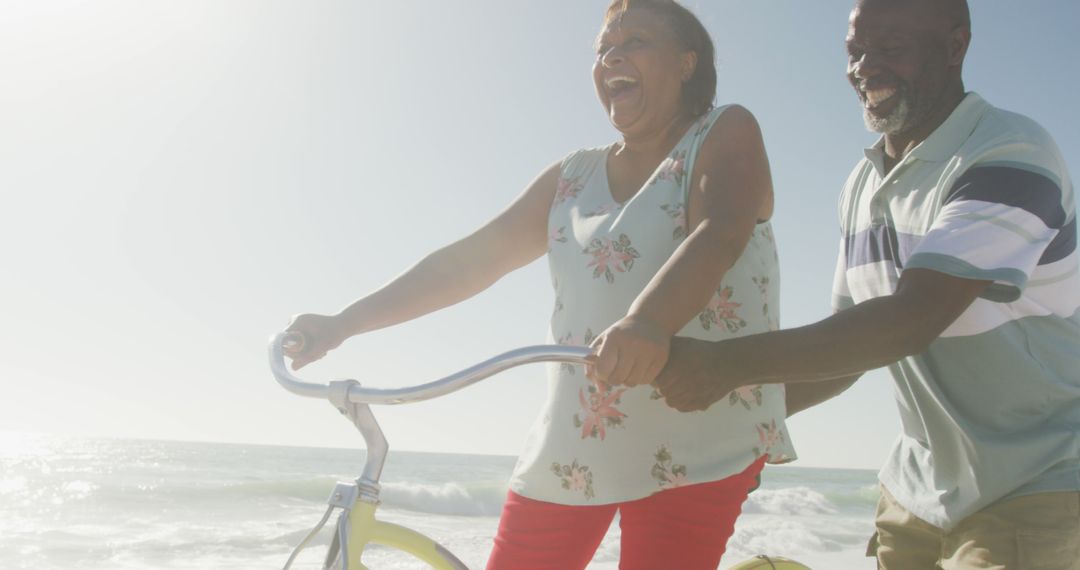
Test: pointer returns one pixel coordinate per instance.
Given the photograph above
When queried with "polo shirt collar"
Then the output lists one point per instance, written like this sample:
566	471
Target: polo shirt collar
876	155
943	143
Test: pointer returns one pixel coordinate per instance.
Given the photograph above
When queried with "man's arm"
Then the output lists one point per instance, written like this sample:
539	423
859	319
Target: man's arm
802	395
867	336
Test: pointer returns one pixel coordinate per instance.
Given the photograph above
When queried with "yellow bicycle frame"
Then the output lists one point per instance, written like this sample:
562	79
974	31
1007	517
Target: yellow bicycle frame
364	528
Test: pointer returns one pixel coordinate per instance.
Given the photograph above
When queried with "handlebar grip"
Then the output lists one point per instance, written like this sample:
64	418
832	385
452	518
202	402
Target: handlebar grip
293	341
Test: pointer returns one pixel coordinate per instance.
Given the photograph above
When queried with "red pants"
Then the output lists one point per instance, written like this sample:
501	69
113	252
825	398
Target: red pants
685	528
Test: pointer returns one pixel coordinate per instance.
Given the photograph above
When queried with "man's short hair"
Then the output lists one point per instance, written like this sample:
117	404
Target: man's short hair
955	10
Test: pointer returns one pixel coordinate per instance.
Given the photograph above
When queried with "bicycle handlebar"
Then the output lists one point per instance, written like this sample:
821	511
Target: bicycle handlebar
440	387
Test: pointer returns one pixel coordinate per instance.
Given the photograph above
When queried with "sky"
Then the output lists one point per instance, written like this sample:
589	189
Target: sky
179	178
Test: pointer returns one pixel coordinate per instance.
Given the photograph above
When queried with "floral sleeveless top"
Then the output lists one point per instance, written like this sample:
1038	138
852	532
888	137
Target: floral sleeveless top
596	445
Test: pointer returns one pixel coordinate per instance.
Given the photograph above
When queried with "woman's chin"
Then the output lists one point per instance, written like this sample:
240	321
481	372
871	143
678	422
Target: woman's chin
623	120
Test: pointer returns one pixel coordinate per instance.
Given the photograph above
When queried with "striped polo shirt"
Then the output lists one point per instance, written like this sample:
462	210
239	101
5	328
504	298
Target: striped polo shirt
991	410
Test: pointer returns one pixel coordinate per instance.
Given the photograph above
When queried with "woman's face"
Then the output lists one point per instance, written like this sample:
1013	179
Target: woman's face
639	71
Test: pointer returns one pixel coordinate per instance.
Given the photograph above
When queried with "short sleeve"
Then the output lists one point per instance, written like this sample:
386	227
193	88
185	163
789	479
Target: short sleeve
996	224
841	293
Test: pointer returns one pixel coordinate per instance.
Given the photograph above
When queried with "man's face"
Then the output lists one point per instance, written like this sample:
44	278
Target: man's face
898	62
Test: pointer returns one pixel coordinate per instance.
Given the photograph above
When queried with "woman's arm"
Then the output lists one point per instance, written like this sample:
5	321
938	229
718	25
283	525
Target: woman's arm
447	276
731	191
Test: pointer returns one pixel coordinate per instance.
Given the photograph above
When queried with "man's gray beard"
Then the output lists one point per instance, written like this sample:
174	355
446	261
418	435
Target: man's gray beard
894	122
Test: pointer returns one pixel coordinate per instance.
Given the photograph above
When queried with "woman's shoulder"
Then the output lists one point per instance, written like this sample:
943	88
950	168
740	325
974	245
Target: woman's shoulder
731	119
583	160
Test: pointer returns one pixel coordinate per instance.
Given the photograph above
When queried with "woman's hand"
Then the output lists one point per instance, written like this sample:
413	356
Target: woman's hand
630	352
317	335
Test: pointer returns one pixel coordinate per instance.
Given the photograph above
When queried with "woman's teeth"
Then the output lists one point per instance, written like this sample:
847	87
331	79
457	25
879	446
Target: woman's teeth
619	82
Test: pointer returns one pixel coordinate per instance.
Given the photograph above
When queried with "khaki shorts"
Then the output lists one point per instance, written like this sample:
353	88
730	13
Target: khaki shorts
1034	532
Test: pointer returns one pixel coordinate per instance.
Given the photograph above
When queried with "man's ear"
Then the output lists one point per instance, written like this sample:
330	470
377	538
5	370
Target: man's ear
959	40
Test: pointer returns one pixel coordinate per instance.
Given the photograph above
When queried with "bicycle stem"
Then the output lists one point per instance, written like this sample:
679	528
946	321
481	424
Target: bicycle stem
377	447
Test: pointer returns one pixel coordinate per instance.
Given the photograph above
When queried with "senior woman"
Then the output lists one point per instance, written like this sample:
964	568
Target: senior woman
664	232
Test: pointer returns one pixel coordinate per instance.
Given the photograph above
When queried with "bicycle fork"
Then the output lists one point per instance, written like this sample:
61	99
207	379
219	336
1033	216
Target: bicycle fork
357	526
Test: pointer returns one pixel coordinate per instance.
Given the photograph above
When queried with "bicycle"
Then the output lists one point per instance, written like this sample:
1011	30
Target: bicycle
357	525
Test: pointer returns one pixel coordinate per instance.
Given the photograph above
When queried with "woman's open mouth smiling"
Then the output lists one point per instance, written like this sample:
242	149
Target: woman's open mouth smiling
620	86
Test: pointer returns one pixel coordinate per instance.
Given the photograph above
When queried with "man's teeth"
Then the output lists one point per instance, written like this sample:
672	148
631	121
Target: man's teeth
876	96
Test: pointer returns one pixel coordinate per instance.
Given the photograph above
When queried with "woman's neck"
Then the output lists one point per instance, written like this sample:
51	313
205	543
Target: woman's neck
656	142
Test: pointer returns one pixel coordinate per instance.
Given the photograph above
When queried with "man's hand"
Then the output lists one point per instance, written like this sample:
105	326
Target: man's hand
693	379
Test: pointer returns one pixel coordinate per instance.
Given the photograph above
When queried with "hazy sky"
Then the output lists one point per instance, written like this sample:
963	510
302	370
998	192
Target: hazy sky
178	178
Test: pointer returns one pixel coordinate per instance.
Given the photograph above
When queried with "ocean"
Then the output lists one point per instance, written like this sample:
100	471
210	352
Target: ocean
137	504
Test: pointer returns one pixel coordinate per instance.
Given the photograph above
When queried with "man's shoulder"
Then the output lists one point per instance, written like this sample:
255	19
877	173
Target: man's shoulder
1001	134
1011	123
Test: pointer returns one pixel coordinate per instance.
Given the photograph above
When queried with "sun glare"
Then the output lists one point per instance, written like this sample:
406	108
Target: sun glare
23	444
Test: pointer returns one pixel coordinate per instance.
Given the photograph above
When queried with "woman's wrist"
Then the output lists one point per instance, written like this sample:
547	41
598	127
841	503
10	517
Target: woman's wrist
653	324
345	324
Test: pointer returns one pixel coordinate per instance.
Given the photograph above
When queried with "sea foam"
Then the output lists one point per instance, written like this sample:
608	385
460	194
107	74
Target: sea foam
789	501
451	498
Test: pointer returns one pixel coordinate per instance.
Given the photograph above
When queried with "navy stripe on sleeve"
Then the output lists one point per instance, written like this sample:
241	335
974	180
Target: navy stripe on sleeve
1014	187
1063	244
879	243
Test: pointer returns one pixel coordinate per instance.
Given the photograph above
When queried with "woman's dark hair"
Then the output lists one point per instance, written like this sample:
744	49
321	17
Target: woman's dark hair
699	91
